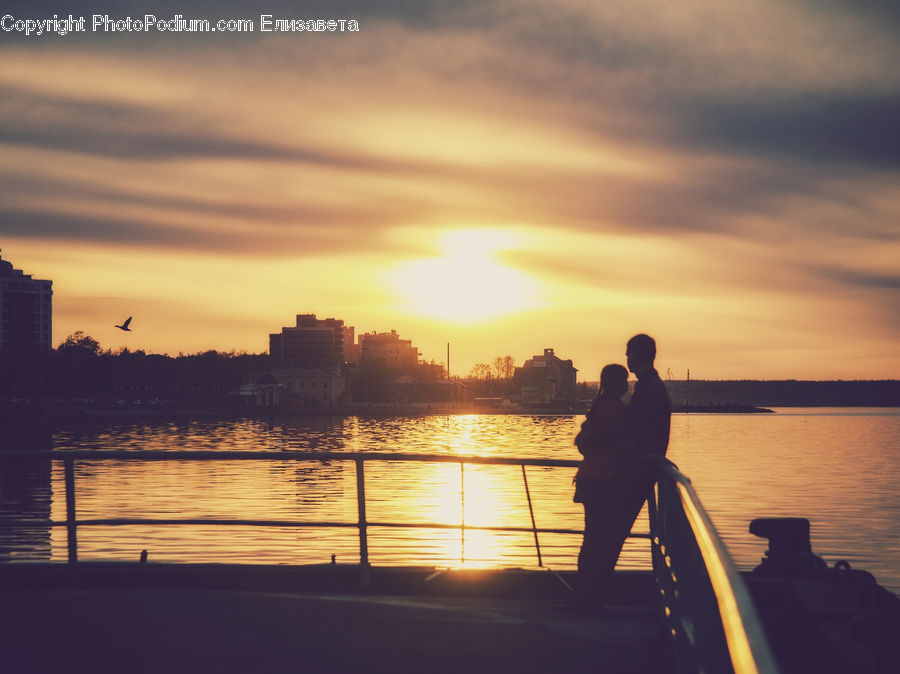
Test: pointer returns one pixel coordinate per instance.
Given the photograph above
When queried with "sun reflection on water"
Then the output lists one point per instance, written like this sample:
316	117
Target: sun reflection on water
743	466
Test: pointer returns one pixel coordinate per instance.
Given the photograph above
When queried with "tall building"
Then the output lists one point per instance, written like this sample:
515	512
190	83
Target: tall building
313	343
388	348
25	312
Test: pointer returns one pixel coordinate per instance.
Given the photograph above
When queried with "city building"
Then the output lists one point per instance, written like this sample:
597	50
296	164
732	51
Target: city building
308	362
25	312
294	387
313	343
388	348
546	379
312	387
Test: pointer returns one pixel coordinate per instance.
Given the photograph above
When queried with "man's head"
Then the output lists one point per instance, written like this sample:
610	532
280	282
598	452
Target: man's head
640	351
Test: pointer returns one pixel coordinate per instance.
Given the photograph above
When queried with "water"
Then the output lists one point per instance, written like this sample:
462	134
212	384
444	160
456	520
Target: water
833	466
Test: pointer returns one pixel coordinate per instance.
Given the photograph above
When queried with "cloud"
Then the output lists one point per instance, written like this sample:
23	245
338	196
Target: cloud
859	277
877	12
136	133
325	237
732	146
862	130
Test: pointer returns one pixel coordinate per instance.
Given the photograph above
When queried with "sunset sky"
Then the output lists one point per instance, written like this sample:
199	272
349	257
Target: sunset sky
503	176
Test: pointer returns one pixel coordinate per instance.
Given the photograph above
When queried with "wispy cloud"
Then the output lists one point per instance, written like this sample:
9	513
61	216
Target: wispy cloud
734	145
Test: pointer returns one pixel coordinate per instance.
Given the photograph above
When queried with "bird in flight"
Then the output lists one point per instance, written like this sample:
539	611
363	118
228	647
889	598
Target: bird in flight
124	325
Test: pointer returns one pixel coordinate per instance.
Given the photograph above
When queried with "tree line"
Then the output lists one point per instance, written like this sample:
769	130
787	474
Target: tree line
80	369
501	367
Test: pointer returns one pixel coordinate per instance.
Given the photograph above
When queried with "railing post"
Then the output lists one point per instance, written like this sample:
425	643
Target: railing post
462	511
537	543
71	527
363	537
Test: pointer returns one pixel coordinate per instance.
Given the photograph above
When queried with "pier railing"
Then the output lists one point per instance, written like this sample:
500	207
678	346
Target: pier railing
72	522
708	609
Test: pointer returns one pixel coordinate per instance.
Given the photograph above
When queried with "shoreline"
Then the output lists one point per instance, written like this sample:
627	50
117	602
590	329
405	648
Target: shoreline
375	410
62	410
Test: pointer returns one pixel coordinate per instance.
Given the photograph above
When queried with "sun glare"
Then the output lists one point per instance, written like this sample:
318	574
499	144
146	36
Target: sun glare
467	284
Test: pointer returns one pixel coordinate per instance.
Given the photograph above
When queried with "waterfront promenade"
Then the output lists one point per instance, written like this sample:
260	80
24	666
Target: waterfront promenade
102	628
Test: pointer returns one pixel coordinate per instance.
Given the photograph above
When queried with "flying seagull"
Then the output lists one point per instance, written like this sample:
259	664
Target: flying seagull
124	325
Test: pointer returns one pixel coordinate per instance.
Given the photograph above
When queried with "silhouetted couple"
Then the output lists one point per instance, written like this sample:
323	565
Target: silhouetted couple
615	477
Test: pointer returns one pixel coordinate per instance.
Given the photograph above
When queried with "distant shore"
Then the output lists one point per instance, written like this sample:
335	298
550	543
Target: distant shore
688	397
56	410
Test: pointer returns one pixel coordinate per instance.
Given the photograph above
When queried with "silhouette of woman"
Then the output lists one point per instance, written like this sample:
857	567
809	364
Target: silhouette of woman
603	441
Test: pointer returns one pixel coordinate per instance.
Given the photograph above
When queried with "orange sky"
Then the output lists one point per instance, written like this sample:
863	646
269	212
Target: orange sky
504	176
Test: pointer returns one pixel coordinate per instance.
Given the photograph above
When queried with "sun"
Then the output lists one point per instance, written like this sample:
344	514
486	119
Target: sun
467	284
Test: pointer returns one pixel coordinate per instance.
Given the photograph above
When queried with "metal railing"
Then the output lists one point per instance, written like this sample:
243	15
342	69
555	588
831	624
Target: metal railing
709	611
70	457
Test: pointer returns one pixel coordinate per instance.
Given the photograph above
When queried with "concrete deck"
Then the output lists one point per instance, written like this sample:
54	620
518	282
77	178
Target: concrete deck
129	618
127	631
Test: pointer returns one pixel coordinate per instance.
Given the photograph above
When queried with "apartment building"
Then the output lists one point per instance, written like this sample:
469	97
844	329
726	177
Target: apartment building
26	312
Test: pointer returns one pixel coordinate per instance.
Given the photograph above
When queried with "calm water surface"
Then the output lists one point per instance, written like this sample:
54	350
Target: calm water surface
836	467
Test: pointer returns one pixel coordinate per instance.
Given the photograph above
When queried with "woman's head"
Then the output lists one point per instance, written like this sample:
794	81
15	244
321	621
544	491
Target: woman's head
614	380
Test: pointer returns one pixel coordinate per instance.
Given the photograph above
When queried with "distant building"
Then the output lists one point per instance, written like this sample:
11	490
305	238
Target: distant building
260	391
546	379
313	343
431	371
388	348
308	362
25	312
313	387
294	387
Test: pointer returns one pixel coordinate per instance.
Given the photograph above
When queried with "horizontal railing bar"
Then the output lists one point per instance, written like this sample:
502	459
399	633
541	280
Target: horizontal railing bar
13	523
286	455
468	527
472	527
131	521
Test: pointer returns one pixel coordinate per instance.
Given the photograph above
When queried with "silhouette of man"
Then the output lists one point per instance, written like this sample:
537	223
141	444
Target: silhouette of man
613	509
649	410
